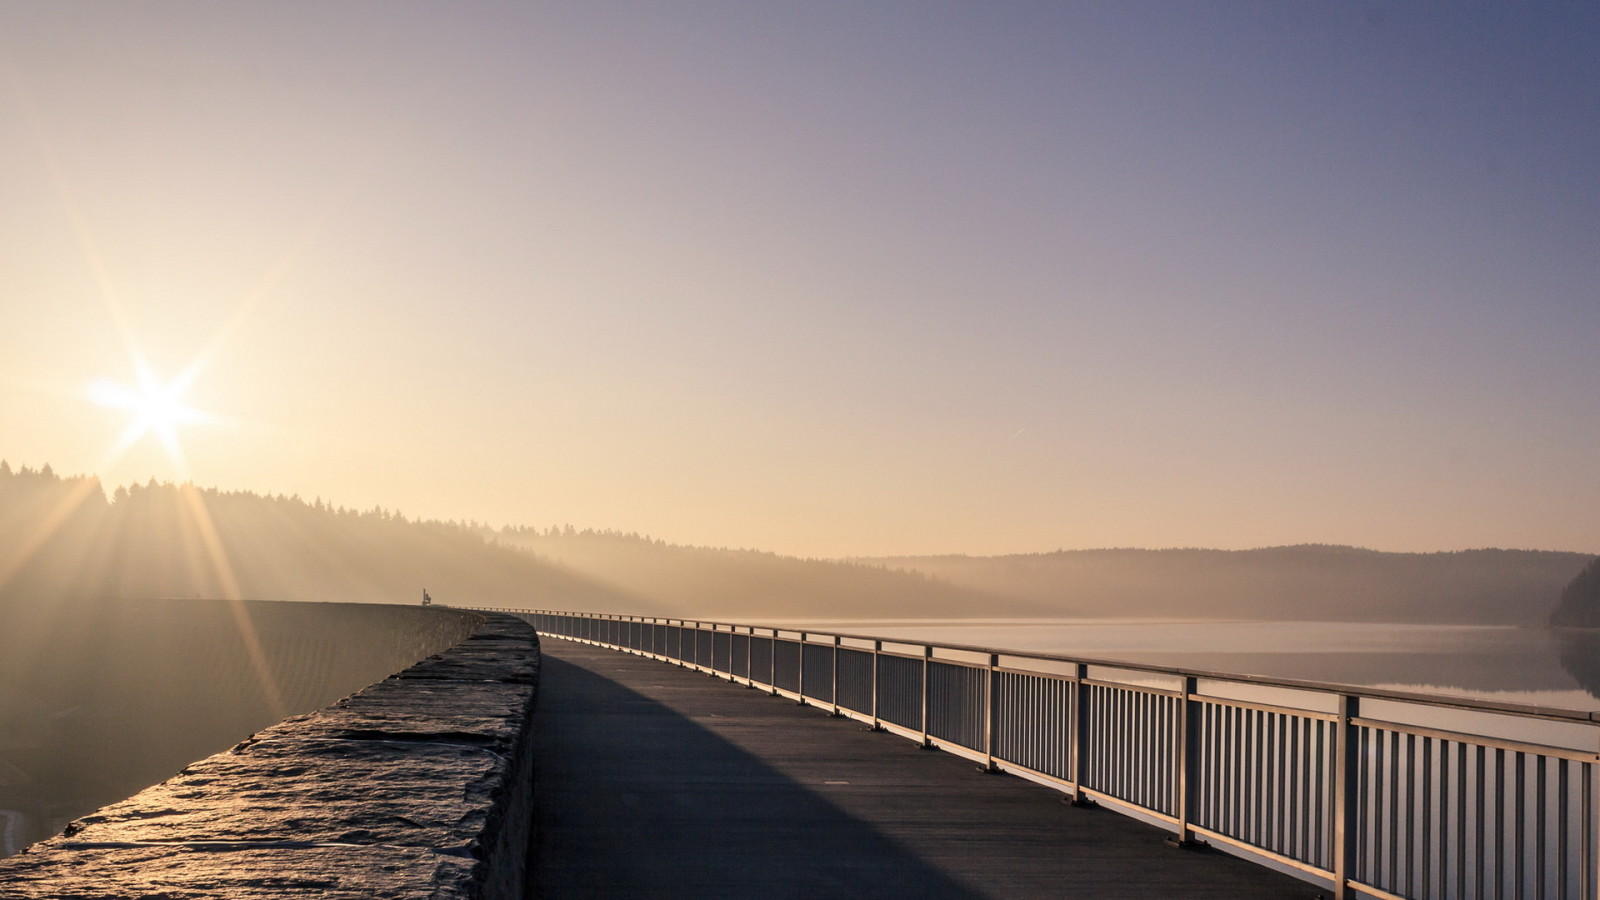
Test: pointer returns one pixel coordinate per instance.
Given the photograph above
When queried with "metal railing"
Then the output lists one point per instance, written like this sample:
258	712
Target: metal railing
1373	792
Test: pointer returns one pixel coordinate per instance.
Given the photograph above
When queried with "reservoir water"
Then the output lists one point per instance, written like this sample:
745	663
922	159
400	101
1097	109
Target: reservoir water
1537	666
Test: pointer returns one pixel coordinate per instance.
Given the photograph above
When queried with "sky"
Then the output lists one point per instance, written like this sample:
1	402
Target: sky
825	278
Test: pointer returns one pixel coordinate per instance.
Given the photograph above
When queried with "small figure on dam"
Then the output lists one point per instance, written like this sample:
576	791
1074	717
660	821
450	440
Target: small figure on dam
426	600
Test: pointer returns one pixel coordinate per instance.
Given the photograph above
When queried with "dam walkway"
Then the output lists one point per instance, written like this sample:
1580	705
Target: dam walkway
654	780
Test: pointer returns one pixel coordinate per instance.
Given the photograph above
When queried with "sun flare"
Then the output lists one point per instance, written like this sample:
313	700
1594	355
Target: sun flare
156	408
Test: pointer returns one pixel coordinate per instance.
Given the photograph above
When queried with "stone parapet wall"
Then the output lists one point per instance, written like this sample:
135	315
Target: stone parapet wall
416	787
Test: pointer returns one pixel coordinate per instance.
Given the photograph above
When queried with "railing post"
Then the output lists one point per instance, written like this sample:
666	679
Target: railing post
836	712
927	665
749	654
877	648
772	680
1188	758
1346	768
1592	845
991	713
1078	734
800	679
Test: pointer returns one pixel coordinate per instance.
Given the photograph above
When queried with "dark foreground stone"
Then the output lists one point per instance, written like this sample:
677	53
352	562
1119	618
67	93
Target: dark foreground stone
417	786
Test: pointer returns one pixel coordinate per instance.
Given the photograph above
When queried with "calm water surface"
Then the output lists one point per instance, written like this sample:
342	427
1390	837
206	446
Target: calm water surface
1543	667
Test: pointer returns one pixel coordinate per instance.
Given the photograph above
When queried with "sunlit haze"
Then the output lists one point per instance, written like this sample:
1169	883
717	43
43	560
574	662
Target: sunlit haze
822	279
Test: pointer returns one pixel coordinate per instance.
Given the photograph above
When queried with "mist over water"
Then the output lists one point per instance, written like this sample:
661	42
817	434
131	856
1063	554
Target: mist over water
1536	666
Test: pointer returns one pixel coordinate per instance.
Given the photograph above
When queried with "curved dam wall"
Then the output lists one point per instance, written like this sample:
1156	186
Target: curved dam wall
418	787
99	699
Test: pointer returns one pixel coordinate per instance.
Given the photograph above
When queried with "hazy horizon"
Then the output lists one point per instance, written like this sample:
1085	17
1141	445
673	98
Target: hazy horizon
826	281
108	492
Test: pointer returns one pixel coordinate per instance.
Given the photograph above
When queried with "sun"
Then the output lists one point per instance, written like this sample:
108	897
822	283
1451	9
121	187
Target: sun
157	409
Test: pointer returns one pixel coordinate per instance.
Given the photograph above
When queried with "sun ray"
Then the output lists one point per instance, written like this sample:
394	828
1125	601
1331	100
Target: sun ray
18	556
158	408
233	596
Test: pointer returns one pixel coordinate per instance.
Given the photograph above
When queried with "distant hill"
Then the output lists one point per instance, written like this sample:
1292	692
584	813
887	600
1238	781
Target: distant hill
1309	582
63	538
752	585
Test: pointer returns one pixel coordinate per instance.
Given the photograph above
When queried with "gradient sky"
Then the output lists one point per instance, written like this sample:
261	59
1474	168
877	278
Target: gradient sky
825	278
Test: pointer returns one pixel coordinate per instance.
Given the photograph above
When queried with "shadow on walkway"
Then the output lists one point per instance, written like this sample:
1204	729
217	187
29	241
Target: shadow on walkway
636	800
657	781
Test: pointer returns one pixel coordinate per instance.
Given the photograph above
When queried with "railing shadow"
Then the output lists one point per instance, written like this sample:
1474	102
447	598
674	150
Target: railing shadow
635	800
653	781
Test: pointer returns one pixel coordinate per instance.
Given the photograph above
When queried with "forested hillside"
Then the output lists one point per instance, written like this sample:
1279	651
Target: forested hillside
755	585
1296	583
62	537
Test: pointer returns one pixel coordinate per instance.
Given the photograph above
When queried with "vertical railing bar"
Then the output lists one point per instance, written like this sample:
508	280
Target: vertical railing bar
1188	747
1204	732
1588	847
1161	752
1436	794
1117	738
927	663
1077	739
991	712
800	672
1461	820
1563	810
1541	809
1257	743
1519	805
1310	802
1377	802
1285	781
1158	756
1230	770
1411	808
877	650
1272	735
1126	723
1393	785
1299	801
1149	755
1499	818
1116	731
1346	765
836	712
1480	795
1247	773
1280	778
1132	722
1288	798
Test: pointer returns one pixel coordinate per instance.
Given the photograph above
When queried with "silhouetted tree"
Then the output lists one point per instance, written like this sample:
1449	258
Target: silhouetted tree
1580	599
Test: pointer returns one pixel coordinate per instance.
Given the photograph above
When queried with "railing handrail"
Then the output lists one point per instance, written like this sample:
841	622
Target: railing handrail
1447	701
1348	797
